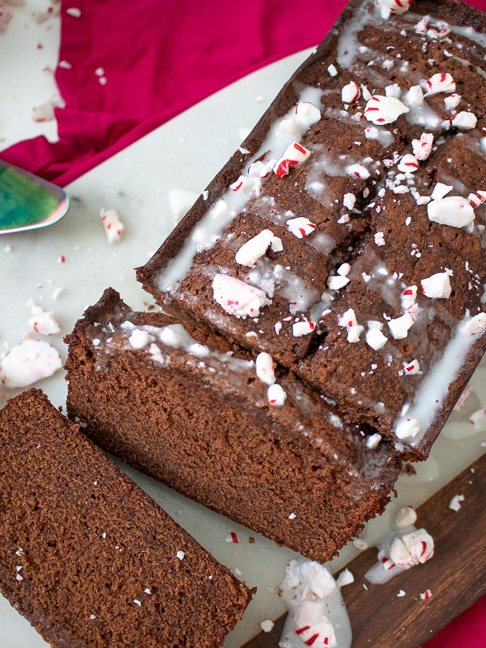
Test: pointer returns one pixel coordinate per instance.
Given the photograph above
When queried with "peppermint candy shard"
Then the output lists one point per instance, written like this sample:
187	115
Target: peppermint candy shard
407	428
464	120
441	82
477	199
375	339
358	171
276	395
393	6
408	164
264	368
422	148
307	114
302	328
254	249
412	368
300	227
350	93
382	110
454	211
295	155
237	297
437	286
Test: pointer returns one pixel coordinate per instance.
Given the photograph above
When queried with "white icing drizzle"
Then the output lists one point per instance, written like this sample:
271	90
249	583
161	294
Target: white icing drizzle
348	43
434	387
315	608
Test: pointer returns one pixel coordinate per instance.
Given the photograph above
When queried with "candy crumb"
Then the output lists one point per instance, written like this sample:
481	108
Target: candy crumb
455	503
267	625
426	595
401	593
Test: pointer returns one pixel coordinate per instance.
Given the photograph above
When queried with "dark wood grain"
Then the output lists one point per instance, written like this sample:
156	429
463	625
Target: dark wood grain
456	575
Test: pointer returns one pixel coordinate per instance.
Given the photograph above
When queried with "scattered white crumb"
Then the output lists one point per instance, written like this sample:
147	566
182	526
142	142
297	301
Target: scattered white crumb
137	602
455	503
180	555
401	593
292	516
267	625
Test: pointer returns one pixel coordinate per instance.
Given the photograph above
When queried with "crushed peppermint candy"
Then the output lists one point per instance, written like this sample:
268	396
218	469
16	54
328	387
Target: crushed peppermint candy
441	82
477	199
358	171
407	428
307	114
337	282
452	101
382	110
478	419
300	227
422	148
454	211
437	286
412	549
426	595
455	503
276	395
350	93
332	70
373	441
43	322
237	297
408	164
393	6
294	155
113	225
254	249
379	239
464	120
302	328
349	322
345	578
349	201
404	517
400	326
267	625
139	339
28	362
415	97
412	368
180	555
265	368
247	186
441	190
375	338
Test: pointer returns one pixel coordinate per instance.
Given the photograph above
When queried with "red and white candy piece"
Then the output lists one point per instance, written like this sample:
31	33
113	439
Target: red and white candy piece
237	297
415	97
288	128
393	6
247	186
312	625
307	114
452	101
409	297
375	338
421	26
265	368
295	155
302	328
349	201
28	362
477	199
113	225
379	239
345	578
437	286
400	326
408	164
475	325
358	171
441	190
441	82
300	227
422	148
412	549
261	169
426	595
43	322
407	428
412	368
348	321
337	282
465	120
276	395
350	93
382	110
254	249
478	419
404	517
393	91
454	211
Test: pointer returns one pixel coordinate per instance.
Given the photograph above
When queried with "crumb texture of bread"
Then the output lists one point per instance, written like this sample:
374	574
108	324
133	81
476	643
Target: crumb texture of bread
204	426
87	557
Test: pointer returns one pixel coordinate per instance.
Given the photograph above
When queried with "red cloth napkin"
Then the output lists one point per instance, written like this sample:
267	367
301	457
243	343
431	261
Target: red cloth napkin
160	58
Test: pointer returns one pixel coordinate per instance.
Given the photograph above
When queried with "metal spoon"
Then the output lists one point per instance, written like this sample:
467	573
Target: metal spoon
28	202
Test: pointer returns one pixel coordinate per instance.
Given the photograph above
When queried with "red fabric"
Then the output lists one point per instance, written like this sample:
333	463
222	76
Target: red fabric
161	57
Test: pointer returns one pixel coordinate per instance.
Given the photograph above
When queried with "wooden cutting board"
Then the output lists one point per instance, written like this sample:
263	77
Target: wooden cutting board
456	575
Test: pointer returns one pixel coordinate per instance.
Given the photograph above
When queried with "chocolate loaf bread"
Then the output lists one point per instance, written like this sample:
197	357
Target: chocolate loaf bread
87	557
348	242
194	411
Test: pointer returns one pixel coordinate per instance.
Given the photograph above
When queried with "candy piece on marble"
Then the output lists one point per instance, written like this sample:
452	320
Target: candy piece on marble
238	298
478	419
113	225
382	110
276	395
407	428
349	201
312	627
180	201
477	199
375	338
302	328
337	282
437	286
440	82
247	186
350	93
43	322
419	546
28	362
379	238
408	164
254	249
452	101
393	6
261	169
264	368
426	595
139	339
455	503
267	625
400	326
307	114
361	545
422	148
412	368
441	190
464	120
294	155
415	97
300	227
358	171
404	517
454	211
345	578
373	441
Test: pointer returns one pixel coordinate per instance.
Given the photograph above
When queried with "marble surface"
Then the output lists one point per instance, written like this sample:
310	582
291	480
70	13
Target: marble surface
184	153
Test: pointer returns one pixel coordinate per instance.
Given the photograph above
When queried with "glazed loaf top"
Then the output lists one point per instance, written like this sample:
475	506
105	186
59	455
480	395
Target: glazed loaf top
346	236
